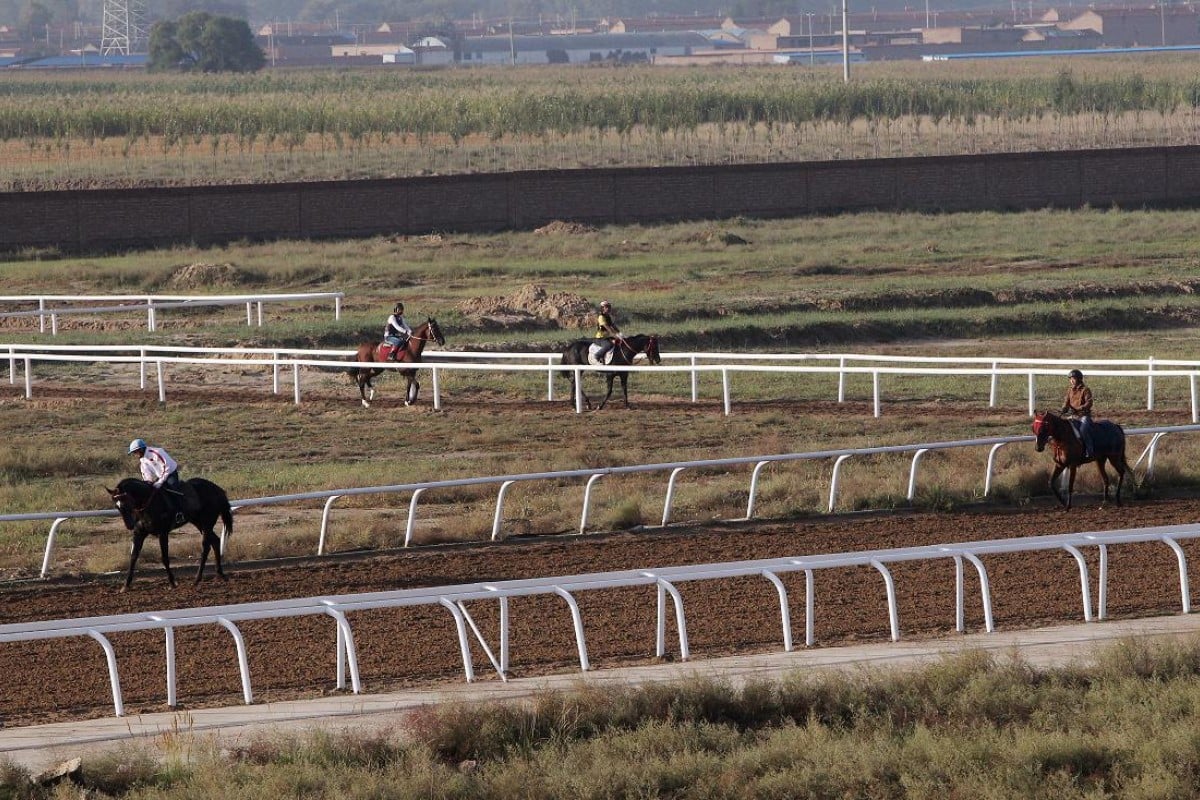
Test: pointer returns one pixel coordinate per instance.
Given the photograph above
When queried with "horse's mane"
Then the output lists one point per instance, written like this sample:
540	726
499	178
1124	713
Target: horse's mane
134	486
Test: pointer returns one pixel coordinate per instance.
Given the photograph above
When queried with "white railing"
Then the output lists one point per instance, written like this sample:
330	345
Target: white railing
1152	371
51	306
674	469
454	599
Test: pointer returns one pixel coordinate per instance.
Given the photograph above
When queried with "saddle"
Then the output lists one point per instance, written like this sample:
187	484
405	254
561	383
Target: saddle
384	351
593	353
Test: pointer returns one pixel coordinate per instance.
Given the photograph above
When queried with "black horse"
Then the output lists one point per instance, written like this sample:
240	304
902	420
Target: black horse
626	349
146	512
1108	439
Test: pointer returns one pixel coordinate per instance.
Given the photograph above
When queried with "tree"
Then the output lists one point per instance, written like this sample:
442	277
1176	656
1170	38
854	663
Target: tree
202	42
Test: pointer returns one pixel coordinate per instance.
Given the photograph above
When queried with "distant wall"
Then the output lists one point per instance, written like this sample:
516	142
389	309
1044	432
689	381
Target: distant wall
121	218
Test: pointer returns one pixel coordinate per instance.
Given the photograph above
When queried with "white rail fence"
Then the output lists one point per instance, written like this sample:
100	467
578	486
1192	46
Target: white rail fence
1151	370
674	471
455	598
52	306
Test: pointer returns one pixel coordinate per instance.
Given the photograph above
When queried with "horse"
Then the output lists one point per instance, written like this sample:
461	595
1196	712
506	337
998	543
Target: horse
1108	440
145	512
626	349
411	353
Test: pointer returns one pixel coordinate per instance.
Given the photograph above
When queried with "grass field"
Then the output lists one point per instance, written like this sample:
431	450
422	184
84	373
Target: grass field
72	131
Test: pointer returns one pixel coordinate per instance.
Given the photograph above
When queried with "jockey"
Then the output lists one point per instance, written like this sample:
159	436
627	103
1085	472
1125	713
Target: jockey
397	331
1078	404
606	329
159	469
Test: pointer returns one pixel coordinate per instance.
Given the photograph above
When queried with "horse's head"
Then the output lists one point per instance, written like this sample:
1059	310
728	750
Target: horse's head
651	350
1043	429
126	504
435	332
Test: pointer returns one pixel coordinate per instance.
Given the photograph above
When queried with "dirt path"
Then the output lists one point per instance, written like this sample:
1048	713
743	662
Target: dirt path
295	658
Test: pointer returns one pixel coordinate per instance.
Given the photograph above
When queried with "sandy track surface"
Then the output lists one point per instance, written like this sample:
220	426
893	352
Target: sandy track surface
67	679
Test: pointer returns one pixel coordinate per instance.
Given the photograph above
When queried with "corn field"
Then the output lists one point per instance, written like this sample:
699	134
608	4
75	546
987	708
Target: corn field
76	130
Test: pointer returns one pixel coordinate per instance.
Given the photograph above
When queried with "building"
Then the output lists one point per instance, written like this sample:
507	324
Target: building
1140	27
580	48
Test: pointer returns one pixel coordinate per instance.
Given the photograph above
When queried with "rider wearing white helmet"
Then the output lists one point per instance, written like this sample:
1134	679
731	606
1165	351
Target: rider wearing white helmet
606	329
396	331
159	469
1078	404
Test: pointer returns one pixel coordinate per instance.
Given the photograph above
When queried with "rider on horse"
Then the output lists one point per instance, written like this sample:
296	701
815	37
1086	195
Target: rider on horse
396	332
159	470
606	329
1078	405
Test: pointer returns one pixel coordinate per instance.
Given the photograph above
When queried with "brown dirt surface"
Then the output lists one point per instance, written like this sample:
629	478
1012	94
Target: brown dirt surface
561	228
530	307
195	276
291	658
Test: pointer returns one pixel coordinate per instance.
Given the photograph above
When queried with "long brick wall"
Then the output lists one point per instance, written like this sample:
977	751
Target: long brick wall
121	218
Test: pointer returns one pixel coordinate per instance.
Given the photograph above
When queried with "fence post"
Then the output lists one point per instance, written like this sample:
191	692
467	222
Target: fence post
437	391
28	379
912	475
1032	394
991	465
995	386
1192	386
695	382
550	379
151	319
725	389
587	500
41	318
337	307
833	484
296	382
666	515
50	546
842	379
875	389
1150	383
162	382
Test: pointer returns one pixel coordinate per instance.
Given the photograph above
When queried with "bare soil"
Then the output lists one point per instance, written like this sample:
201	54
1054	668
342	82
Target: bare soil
67	679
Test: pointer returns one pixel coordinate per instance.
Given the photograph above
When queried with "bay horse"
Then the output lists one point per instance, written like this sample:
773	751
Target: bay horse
626	349
146	512
411	353
1108	442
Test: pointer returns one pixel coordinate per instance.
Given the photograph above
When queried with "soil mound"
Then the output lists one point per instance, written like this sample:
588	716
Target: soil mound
194	276
530	308
567	228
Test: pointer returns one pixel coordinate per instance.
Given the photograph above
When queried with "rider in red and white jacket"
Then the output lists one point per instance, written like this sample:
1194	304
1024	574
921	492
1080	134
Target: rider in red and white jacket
159	469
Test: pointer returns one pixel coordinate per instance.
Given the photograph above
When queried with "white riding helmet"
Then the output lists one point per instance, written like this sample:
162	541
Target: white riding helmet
137	444
605	304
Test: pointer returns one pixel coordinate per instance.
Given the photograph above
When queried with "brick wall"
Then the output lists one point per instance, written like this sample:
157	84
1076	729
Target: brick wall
119	218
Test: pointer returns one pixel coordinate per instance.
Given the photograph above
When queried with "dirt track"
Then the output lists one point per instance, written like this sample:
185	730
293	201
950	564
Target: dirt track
295	658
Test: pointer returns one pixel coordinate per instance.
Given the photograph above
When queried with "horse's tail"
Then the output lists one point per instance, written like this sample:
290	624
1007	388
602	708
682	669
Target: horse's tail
227	517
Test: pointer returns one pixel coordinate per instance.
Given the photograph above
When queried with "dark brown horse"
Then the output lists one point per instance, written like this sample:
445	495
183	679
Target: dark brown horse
625	351
147	513
1108	440
411	354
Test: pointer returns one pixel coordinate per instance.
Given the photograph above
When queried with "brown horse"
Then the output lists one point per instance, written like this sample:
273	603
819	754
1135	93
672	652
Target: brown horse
1108	440
411	354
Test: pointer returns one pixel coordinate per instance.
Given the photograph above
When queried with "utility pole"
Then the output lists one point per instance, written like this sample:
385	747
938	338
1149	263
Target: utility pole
812	59
845	42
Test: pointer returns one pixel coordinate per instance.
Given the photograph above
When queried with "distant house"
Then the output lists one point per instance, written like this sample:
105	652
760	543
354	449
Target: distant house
580	48
1140	27
401	55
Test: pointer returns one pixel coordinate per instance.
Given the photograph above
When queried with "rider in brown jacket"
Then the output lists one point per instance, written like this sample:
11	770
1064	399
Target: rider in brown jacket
1078	404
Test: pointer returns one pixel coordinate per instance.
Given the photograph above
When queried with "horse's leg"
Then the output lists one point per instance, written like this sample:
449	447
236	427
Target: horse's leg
1070	485
411	388
134	551
608	376
164	548
1054	478
625	387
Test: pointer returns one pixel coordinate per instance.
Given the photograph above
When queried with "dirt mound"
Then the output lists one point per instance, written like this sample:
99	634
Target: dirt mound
568	228
713	236
194	276
530	308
